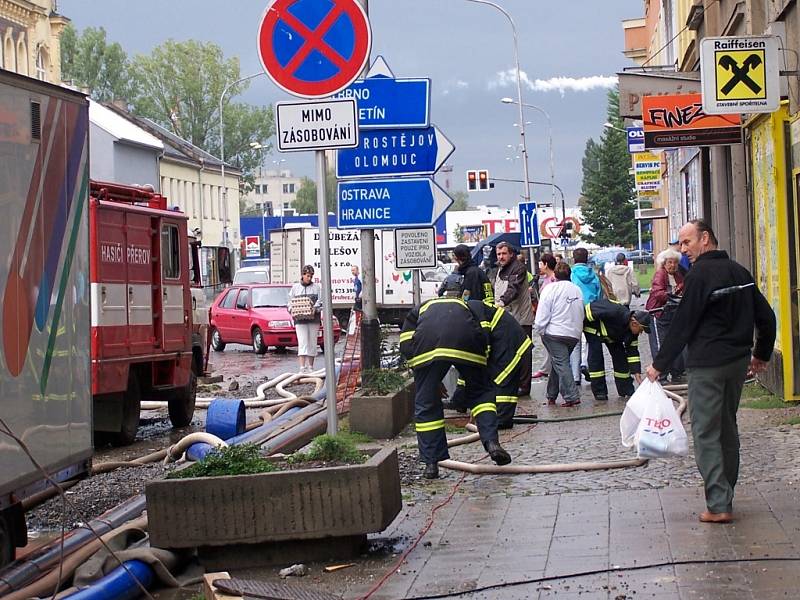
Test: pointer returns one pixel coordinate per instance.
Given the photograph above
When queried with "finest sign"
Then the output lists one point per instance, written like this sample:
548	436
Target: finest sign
323	125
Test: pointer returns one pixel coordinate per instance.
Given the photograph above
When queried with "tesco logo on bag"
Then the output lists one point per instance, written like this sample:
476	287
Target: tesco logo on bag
658	423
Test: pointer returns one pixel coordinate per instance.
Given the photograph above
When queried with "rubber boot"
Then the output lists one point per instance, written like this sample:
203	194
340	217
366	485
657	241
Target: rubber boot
498	454
432	471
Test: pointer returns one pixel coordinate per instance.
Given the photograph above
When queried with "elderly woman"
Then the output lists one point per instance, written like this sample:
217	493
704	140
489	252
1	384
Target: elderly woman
665	292
306	317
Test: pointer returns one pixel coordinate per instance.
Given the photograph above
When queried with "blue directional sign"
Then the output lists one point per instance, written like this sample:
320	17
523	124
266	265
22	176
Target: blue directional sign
395	152
390	203
528	225
635	139
384	102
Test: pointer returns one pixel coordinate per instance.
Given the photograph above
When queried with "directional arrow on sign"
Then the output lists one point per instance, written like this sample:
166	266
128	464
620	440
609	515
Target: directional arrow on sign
390	203
395	152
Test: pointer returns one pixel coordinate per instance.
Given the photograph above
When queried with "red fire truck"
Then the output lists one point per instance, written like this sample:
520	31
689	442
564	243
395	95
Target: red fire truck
144	343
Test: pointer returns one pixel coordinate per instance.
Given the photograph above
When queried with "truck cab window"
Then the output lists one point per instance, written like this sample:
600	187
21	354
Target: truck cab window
170	252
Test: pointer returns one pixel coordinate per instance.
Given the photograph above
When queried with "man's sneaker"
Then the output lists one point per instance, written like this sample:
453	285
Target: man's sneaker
569	403
601	398
585	373
498	454
431	471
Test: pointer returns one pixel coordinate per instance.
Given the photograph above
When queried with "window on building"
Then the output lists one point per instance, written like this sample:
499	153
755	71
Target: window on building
22	57
268	209
264	189
257	189
41	64
9	59
288	188
286	205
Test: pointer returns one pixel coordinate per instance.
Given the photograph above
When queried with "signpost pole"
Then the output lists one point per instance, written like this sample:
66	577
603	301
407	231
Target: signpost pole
416	284
327	301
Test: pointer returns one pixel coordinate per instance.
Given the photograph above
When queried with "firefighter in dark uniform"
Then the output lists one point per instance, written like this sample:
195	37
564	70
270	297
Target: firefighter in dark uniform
442	333
507	345
613	324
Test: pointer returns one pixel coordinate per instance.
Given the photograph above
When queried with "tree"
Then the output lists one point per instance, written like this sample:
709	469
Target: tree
460	201
305	202
608	201
179	86
90	62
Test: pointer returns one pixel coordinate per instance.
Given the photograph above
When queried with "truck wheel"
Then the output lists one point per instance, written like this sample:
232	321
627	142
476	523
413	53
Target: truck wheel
216	340
258	342
131	404
181	404
7	545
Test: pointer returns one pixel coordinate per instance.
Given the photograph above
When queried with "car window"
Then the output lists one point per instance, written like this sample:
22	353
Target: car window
228	300
277	296
243	299
251	277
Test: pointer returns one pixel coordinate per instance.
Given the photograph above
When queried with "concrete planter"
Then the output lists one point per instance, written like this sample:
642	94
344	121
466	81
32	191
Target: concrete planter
305	504
382	417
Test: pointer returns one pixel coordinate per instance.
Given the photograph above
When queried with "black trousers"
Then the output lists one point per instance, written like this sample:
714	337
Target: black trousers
526	365
597	366
429	413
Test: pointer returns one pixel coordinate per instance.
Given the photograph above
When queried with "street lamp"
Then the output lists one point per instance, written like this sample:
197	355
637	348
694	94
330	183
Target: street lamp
222	151
526	189
611	126
550	148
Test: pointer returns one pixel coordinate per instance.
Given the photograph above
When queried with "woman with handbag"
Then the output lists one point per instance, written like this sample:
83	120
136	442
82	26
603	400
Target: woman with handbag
305	303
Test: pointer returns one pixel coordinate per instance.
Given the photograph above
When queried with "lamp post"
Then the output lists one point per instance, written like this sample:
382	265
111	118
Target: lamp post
608	125
550	150
222	150
526	195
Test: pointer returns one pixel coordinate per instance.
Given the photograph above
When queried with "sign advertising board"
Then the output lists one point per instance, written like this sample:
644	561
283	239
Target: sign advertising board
740	74
674	121
528	224
321	125
252	246
314	49
647	173
395	152
385	102
635	139
415	248
390	203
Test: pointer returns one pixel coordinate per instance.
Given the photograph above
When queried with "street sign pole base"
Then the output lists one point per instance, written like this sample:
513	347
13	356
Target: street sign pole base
370	346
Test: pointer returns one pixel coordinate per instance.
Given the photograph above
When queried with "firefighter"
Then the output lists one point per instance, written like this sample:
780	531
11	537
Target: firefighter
507	345
613	324
442	333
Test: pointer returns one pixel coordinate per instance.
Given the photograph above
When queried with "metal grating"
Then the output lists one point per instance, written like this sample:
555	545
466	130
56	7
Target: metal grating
36	120
271	591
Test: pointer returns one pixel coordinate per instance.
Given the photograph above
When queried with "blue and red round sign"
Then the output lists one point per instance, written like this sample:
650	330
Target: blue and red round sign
314	48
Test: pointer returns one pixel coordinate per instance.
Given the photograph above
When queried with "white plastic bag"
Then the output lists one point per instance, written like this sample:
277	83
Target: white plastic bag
651	422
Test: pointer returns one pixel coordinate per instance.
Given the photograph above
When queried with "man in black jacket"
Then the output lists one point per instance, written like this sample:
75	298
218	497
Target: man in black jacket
475	284
716	316
442	333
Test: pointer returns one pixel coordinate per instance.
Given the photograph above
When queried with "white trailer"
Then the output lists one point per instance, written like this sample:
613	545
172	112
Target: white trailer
45	383
290	249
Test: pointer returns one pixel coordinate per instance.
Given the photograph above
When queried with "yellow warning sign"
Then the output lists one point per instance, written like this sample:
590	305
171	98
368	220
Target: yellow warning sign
741	74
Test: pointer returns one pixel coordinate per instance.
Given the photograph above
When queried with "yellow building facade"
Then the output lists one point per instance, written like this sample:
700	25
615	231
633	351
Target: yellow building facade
30	33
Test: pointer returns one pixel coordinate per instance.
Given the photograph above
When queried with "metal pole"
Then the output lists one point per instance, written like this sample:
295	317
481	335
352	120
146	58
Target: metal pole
416	285
327	301
639	222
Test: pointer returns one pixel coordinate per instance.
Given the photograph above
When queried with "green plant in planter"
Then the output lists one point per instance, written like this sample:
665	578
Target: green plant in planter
381	382
331	448
245	459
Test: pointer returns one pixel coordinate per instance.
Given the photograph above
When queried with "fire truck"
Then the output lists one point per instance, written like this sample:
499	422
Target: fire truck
144	342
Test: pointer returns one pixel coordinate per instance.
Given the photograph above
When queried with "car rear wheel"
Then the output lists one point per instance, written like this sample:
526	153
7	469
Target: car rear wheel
258	342
216	340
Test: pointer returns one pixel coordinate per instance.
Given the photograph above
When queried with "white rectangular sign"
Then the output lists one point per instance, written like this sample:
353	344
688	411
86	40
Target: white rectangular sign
322	125
740	74
415	248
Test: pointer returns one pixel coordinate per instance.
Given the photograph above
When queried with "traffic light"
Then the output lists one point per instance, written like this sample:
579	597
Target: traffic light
483	179
472	181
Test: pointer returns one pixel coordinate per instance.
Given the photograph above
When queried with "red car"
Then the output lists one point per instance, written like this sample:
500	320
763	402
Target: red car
256	314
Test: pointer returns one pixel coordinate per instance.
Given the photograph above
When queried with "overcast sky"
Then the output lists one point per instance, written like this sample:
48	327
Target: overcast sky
466	50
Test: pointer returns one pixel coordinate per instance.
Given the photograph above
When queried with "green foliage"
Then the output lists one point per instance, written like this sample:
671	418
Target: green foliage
381	382
305	202
89	61
244	459
791	421
332	448
460	201
758	397
608	197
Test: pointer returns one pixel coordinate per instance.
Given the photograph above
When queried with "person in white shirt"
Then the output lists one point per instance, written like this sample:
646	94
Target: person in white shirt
559	320
623	281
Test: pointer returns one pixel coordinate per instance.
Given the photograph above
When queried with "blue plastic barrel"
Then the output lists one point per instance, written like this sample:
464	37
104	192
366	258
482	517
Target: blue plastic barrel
226	418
